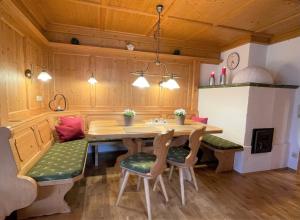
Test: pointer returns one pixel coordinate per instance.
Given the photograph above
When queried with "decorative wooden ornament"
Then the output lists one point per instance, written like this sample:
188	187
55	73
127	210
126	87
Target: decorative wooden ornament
58	103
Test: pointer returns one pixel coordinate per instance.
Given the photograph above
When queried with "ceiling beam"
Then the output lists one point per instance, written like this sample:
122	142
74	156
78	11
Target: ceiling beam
115	8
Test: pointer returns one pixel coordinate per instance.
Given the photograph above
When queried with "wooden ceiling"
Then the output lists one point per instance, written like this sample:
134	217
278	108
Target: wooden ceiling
212	22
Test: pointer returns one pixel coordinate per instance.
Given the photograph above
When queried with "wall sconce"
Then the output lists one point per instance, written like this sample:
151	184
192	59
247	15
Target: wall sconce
44	76
28	72
92	80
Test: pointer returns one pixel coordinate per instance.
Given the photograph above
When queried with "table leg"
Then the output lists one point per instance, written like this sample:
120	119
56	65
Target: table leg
132	146
96	155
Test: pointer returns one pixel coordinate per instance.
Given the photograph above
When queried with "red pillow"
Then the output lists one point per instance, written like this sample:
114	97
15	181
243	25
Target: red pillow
70	120
69	133
199	119
70	128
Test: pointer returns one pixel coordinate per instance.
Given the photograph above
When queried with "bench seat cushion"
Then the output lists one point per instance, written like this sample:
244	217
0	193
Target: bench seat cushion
220	143
62	161
140	162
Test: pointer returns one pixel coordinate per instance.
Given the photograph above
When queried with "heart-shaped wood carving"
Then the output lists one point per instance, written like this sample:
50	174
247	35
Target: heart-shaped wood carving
58	103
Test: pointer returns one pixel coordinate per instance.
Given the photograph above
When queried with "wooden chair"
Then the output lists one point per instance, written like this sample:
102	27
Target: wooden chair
185	160
148	166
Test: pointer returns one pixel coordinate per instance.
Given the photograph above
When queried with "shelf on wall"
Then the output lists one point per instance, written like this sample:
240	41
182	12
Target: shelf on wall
251	84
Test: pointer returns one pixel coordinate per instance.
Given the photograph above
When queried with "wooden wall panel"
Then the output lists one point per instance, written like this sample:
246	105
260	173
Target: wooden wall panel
12	47
71	72
113	87
19	52
114	92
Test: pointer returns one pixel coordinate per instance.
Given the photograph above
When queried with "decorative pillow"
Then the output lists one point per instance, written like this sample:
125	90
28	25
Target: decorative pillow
71	120
69	133
200	119
70	128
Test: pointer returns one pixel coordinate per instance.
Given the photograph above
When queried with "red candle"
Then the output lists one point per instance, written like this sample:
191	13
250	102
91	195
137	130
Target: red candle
223	70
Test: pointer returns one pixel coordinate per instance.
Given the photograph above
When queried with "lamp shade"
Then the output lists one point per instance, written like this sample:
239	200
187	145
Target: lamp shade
44	76
92	80
141	82
163	84
172	84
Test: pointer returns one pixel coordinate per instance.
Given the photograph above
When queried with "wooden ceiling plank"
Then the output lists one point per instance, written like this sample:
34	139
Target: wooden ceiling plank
278	22
285	36
115	8
164	17
36	20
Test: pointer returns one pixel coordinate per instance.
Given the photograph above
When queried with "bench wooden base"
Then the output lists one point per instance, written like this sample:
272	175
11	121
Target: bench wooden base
50	201
225	157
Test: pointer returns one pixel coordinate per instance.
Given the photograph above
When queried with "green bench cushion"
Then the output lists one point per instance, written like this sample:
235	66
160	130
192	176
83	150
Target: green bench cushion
140	162
220	143
177	154
62	161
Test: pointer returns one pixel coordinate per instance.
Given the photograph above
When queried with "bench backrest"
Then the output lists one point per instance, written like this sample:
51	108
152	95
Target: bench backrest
29	141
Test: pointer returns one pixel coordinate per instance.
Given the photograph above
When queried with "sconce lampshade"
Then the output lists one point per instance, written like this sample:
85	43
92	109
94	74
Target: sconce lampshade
44	76
141	82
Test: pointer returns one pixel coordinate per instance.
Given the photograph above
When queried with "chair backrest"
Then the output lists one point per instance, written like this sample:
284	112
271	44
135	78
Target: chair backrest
161	146
195	139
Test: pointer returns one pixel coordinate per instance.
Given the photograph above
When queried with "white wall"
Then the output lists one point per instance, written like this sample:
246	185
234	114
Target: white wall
250	54
283	59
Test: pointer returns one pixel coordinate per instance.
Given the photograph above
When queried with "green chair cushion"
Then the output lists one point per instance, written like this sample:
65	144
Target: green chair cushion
140	162
220	143
62	161
177	154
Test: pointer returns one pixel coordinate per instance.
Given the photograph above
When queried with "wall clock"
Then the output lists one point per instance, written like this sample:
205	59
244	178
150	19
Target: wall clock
233	60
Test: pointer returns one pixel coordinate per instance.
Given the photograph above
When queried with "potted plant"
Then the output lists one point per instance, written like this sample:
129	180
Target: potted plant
180	116
128	116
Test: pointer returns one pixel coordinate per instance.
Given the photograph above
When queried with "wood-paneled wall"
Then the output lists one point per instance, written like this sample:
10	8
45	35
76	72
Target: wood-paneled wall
22	46
19	51
73	65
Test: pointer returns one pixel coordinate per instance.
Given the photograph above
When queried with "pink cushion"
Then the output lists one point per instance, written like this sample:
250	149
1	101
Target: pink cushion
70	120
70	128
200	119
68	133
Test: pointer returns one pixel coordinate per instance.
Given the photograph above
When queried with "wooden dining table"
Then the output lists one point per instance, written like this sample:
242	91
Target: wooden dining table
133	136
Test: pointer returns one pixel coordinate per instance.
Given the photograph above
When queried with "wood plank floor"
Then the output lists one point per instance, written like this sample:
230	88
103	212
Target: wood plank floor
262	195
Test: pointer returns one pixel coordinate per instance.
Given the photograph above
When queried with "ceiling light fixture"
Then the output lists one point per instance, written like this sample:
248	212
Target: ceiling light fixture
168	79
141	82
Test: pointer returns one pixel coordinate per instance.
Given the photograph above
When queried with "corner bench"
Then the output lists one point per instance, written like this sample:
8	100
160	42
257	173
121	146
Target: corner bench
37	172
224	151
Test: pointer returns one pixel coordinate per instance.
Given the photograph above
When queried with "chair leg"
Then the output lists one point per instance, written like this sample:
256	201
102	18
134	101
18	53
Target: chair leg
138	186
147	194
194	178
181	185
162	184
122	175
171	172
122	187
155	184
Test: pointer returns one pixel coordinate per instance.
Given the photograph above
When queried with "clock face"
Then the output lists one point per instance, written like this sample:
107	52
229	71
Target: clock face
233	60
